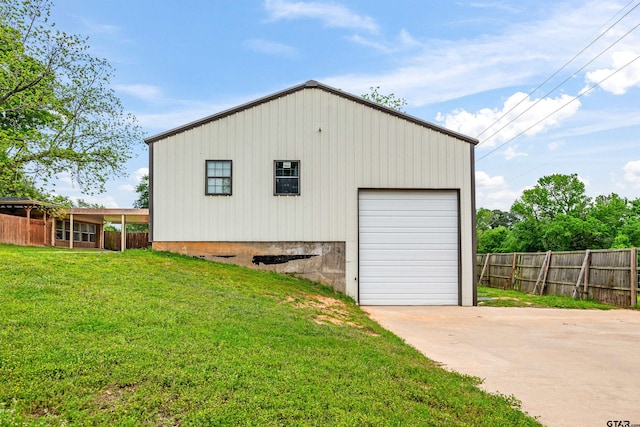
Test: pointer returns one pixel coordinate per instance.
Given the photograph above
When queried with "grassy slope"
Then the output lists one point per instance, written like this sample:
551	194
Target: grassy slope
144	338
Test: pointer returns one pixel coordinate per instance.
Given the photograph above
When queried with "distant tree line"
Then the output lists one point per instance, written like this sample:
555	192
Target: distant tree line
557	215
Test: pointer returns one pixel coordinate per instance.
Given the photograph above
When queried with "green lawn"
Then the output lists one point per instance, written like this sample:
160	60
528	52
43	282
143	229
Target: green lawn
493	297
145	338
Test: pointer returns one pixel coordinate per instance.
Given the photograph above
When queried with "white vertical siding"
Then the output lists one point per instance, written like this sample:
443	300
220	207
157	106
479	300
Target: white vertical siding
342	146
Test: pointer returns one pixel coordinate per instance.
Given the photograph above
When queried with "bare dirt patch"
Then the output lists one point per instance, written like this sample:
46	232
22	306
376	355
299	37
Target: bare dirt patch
112	396
332	311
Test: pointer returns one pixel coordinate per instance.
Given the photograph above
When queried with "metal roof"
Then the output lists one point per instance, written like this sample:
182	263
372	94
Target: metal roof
132	215
311	84
22	203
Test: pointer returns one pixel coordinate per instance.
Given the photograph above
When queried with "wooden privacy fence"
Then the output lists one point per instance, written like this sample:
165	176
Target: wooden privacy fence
17	230
607	276
134	240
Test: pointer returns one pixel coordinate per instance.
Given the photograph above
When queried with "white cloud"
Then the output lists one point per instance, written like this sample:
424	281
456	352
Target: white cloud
511	153
493	192
632	173
486	182
379	46
402	42
407	39
584	180
553	146
139	173
623	80
147	93
66	178
271	48
521	116
445	70
97	28
136	177
501	199
331	14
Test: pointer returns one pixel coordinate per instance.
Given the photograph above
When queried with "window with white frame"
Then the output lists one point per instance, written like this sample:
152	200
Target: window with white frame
82	232
62	230
218	182
286	178
88	232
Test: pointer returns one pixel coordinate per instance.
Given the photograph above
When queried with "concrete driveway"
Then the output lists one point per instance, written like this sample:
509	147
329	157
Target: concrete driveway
568	367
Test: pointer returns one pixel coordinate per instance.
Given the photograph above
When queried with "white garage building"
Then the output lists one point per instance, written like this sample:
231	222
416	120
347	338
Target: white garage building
323	184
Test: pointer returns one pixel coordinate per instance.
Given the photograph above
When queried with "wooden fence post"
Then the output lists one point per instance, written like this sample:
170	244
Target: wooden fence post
546	271
585	290
484	268
542	275
634	276
512	276
585	262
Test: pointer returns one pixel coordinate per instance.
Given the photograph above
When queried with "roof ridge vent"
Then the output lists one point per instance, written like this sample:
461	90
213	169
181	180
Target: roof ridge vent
311	83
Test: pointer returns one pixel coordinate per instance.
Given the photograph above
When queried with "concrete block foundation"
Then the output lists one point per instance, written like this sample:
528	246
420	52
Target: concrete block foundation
322	262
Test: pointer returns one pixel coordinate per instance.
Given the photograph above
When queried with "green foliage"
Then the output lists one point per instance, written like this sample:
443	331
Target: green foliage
493	240
137	228
390	100
487	219
141	202
631	229
494	228
622	241
81	203
147	338
557	215
57	111
568	233
143	193
553	195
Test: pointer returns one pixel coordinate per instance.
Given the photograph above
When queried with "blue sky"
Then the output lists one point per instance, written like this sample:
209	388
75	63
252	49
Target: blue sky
459	64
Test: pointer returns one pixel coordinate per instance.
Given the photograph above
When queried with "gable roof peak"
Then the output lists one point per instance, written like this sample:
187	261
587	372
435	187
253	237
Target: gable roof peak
311	84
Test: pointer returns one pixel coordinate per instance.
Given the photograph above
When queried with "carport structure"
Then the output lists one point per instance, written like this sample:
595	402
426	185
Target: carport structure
98	217
31	222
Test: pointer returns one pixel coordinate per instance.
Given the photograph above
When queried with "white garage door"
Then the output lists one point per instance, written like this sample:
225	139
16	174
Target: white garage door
408	247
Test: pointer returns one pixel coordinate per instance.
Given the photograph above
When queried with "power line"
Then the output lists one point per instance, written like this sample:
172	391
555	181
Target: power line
560	69
552	90
561	107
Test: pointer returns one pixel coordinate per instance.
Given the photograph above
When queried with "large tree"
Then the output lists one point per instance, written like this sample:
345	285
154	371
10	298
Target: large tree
553	195
554	202
57	111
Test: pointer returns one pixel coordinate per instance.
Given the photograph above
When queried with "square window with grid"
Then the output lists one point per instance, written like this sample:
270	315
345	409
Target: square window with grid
287	178
82	232
218	177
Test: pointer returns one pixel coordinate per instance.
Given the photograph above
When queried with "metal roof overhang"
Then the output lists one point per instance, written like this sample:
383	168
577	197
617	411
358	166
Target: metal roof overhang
131	216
